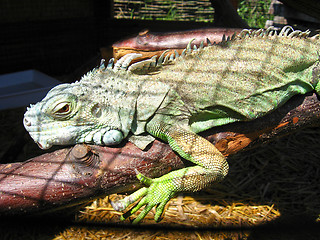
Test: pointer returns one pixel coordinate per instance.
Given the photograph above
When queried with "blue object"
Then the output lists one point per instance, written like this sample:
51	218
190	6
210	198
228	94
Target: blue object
22	88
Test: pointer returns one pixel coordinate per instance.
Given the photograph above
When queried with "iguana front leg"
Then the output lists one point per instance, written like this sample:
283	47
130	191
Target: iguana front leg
211	166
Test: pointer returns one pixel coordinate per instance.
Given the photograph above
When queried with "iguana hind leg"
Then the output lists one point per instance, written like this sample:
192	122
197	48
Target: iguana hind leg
211	166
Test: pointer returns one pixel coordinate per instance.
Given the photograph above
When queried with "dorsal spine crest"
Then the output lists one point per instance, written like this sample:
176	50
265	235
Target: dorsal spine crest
125	66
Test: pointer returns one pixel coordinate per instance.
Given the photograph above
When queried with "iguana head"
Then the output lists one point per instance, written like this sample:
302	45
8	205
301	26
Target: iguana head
81	112
102	108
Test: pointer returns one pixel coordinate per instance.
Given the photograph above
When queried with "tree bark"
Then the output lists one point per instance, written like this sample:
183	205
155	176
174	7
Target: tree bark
150	44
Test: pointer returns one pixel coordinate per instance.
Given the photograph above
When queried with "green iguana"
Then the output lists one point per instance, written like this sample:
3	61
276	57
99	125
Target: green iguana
176	97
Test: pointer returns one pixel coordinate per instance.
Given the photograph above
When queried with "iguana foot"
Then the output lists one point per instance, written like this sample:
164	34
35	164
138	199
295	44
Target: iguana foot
159	192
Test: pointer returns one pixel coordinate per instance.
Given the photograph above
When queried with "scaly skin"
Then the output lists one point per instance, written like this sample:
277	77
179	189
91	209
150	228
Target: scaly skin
211	166
238	80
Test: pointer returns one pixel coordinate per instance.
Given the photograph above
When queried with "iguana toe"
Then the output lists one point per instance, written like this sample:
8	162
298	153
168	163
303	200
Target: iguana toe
159	192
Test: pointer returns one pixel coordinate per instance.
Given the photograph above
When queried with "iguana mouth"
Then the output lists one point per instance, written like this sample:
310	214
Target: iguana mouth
42	146
39	145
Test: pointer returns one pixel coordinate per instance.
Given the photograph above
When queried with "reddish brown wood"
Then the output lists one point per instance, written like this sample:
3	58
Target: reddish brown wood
67	177
150	44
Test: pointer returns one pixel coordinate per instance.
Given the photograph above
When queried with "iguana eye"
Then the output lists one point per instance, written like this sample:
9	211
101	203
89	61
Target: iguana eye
62	109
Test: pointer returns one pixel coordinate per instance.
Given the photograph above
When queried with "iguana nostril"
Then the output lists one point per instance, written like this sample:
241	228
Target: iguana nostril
27	122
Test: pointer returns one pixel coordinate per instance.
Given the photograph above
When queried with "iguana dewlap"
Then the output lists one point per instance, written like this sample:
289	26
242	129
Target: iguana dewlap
174	99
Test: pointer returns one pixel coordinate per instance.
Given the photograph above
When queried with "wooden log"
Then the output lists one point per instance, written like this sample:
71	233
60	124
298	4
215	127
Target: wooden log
150	44
71	176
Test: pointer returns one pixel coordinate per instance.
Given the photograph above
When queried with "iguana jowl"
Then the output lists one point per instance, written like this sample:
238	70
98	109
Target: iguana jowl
174	99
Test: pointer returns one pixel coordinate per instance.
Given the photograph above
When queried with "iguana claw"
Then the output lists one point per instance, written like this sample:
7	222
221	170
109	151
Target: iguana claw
156	195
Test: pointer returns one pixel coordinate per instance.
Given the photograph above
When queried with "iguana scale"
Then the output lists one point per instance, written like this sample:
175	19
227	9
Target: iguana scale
176	97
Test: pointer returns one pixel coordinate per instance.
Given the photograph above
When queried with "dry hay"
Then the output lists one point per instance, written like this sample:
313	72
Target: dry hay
147	234
188	212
